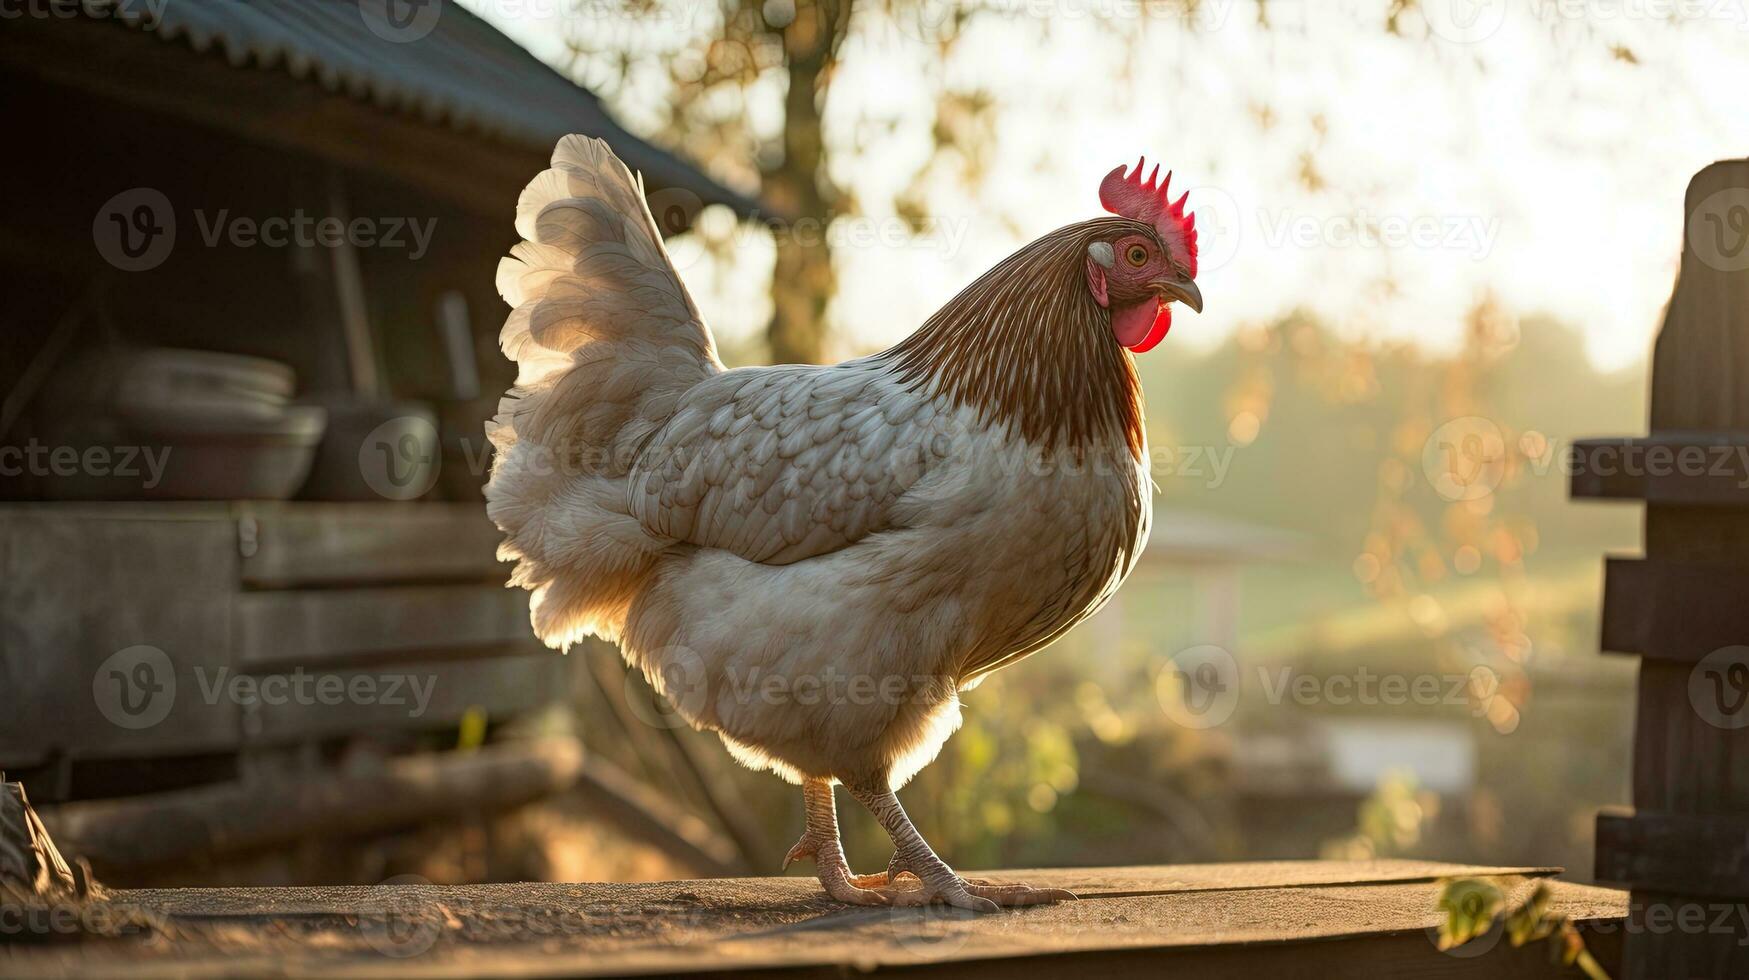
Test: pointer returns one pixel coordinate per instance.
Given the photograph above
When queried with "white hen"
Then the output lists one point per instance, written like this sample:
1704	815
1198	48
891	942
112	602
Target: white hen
814	561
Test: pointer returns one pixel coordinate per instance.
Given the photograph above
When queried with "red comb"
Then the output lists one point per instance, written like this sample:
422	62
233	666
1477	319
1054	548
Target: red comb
1130	198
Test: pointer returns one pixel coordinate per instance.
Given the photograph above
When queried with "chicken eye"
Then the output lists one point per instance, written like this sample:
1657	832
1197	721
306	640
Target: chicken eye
1137	256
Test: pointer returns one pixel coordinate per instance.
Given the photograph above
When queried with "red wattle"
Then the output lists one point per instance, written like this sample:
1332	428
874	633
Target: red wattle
1156	333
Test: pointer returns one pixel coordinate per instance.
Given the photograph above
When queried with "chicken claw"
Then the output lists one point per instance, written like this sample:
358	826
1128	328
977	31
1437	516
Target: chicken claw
977	894
820	842
913	856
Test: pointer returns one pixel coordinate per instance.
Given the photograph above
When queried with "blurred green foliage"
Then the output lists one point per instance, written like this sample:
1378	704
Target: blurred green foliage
1474	907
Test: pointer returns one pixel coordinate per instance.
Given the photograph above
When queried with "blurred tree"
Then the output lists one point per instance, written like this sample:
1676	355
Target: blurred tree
743	86
702	70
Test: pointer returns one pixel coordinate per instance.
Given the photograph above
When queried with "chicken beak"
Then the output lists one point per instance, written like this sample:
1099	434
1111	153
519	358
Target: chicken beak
1183	290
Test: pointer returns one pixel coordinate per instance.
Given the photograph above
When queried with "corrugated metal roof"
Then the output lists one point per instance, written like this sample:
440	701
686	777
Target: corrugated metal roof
432	59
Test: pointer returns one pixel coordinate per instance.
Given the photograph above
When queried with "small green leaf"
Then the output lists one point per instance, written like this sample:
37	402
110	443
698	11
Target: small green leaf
1470	905
1531	921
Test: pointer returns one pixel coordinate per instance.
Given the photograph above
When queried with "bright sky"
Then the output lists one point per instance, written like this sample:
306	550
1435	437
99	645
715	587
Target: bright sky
1498	146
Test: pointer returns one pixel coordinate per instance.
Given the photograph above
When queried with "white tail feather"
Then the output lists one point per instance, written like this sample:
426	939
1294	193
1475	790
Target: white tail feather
605	339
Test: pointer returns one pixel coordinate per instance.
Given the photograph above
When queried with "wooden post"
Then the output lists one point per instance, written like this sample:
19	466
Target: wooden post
1684	609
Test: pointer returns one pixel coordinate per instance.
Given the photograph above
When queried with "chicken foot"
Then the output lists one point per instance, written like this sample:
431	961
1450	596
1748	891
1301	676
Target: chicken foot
913	855
820	842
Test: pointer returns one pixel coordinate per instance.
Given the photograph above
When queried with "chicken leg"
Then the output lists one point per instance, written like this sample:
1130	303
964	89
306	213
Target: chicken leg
820	842
911	853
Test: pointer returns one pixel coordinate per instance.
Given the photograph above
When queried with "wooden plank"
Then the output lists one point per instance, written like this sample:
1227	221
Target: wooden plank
1235	920
334	544
1684	760
1674	610
743	894
163	830
423	696
1673	852
196	824
109	618
326	627
1696	467
1686	936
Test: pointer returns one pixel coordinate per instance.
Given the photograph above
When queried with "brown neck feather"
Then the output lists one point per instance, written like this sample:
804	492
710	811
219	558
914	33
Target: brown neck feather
1027	344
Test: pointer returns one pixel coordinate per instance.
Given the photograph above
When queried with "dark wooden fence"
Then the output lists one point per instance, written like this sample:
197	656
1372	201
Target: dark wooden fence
1683	608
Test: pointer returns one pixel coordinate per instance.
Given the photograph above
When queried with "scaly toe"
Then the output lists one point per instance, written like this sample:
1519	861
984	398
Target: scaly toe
807	847
881	879
850	894
978	895
963	898
957	894
958	898
1018	895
